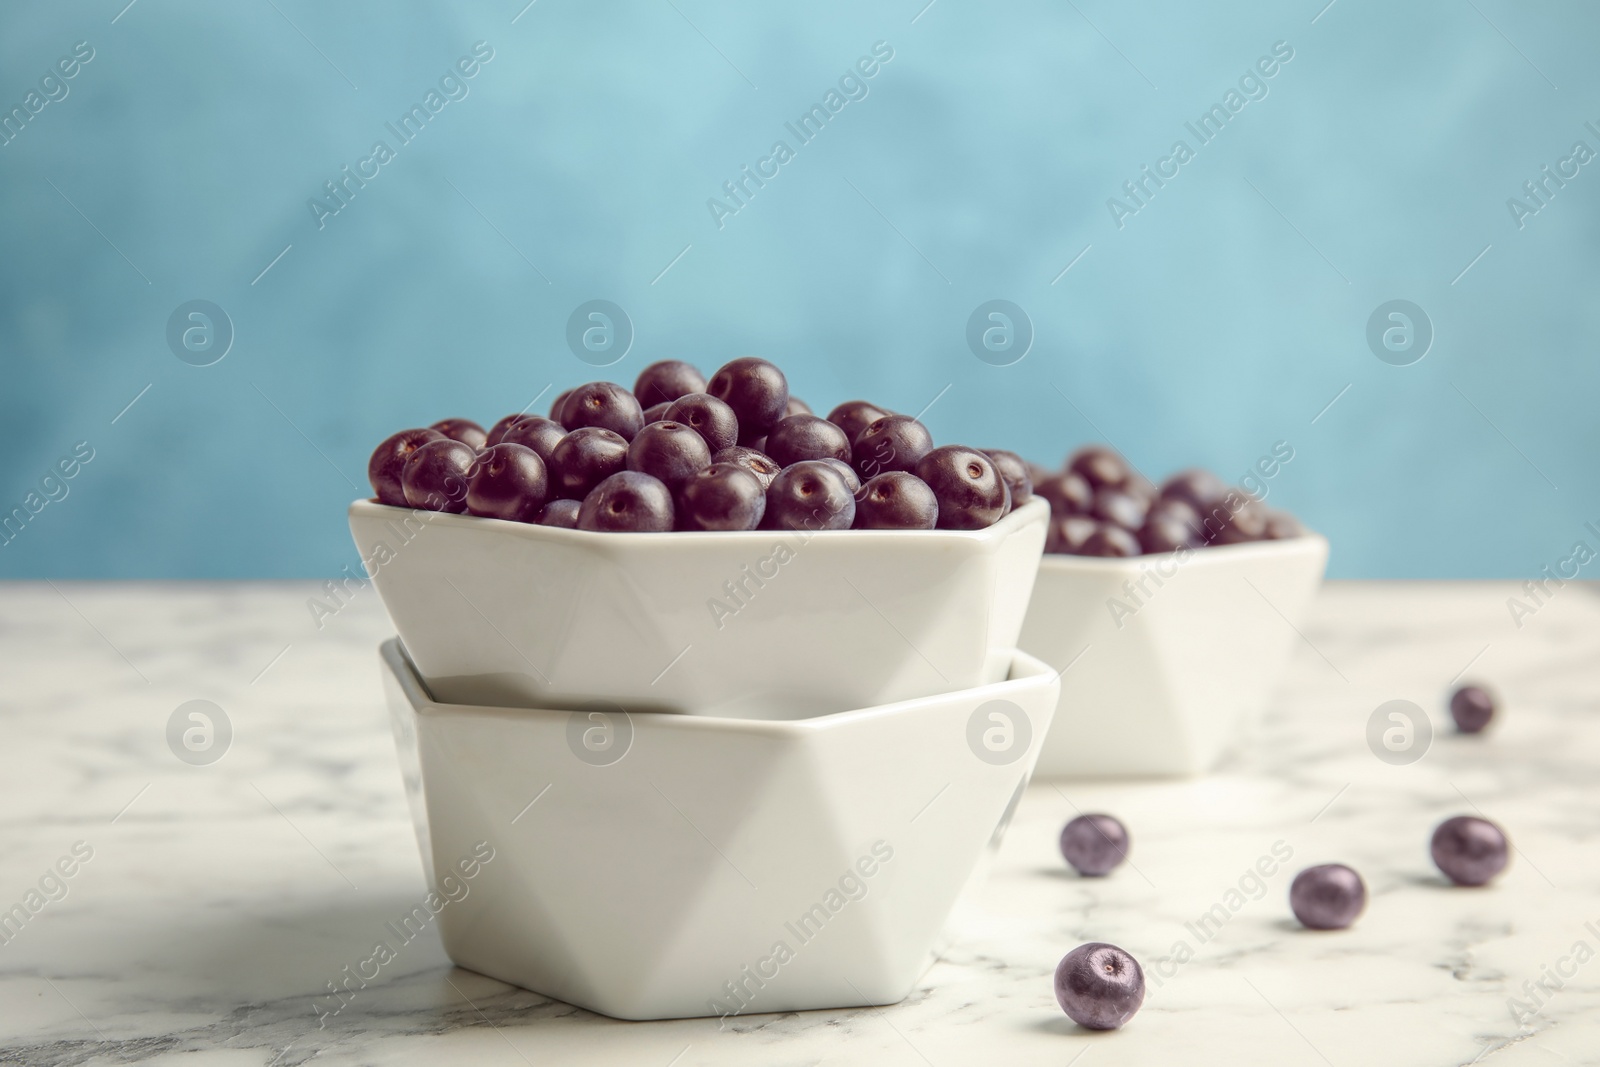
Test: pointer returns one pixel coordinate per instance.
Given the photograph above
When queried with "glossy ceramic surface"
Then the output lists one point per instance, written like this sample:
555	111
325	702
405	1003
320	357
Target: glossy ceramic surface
654	866
1166	657
770	625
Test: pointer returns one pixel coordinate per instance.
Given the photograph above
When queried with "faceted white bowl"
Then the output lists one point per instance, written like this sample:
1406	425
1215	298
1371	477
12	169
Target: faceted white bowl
509	614
1160	681
650	866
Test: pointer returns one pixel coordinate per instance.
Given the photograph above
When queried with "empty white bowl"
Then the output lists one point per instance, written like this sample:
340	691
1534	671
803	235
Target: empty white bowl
667	866
758	624
1157	681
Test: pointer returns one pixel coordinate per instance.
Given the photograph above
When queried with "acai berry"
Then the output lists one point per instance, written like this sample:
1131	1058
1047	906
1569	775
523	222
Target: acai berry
1094	844
1099	986
1471	706
1329	896
1470	850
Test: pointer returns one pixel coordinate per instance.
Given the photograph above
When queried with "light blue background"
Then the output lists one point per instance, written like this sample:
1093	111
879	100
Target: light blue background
1223	318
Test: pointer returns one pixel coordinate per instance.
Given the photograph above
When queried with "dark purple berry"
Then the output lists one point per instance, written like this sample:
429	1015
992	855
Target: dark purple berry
1099	466
666	381
1470	850
1116	506
1198	488
892	443
757	392
498	429
535	432
1094	844
559	405
509	482
466	431
796	406
710	417
1471	706
560	513
656	412
1281	526
1014	469
847	472
1141	487
1171	525
1217	515
896	500
668	451
1108	539
723	496
603	404
1327	897
809	496
853	416
971	493
497	432
1068	494
802	437
1099	986
627	502
1245	520
389	460
758	463
1068	533
585	458
435	476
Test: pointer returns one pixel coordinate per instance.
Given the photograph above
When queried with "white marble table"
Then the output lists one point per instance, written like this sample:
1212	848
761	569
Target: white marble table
220	900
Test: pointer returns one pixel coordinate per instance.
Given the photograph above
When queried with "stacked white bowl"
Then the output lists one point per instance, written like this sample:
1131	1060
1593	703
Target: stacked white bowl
716	773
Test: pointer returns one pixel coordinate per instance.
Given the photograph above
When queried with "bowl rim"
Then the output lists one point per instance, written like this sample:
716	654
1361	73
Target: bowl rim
1307	543
1034	511
1027	673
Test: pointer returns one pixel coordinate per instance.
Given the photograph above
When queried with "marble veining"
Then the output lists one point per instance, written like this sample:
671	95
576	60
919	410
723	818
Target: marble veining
220	901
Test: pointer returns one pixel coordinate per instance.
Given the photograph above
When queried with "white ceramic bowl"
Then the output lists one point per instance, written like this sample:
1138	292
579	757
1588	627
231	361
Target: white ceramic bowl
1158	681
761	624
650	866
